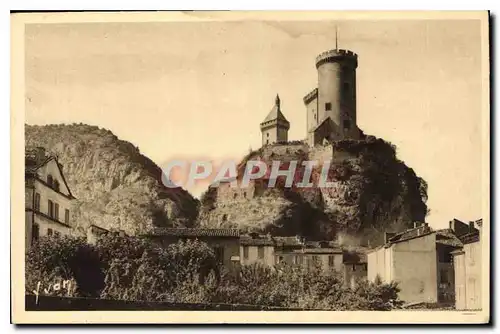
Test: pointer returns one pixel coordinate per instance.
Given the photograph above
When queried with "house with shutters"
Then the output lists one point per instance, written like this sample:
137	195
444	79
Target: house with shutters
48	198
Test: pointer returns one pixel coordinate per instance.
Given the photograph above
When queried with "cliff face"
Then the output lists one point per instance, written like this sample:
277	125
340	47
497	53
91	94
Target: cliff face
372	191
116	187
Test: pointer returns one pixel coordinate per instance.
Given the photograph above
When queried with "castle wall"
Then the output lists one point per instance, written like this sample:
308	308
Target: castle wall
313	118
269	136
282	135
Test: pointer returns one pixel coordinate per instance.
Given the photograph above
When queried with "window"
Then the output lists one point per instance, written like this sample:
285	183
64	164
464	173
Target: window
347	124
331	260
315	116
51	209
49	232
353	267
56	185
268	135
328	106
245	252
260	252
35	233
315	260
244	194
49	180
37	201
66	216
56	211
298	258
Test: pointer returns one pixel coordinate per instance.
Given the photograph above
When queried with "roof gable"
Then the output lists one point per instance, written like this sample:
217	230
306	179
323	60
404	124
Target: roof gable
51	166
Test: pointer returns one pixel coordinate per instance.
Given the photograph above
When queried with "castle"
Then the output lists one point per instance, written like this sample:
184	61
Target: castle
330	107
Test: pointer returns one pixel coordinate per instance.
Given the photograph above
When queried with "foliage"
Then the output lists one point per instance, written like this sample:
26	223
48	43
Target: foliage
138	270
52	260
304	288
130	268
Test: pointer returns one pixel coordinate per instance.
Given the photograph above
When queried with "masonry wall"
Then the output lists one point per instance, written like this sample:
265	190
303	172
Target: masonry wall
415	269
269	136
379	264
337	85
460	279
473	275
253	255
312	114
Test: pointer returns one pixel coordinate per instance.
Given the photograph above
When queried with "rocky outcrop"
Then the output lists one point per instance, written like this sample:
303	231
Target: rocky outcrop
371	191
115	186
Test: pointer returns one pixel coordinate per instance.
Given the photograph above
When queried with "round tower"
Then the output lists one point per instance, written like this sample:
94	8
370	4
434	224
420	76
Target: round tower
337	90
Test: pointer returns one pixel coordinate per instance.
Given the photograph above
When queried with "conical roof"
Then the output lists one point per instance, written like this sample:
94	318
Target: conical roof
275	113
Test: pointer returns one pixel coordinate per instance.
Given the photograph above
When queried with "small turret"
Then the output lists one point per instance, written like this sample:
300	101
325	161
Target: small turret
275	126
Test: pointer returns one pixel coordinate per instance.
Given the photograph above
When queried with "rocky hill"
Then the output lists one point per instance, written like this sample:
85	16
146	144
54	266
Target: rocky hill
115	185
372	192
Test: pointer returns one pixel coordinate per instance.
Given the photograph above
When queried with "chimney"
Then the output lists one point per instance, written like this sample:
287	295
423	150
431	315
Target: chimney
450	223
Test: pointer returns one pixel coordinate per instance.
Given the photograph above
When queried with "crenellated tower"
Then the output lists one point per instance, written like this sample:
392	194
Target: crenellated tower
331	107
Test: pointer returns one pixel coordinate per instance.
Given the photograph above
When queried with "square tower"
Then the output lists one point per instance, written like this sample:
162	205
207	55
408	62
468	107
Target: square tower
275	126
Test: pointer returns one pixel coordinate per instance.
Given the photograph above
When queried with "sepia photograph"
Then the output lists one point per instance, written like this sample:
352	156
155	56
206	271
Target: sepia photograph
303	167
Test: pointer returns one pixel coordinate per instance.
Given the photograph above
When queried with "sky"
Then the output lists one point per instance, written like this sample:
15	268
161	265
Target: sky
199	90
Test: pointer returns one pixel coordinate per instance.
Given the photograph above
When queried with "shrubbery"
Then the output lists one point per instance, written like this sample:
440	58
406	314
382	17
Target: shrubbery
129	268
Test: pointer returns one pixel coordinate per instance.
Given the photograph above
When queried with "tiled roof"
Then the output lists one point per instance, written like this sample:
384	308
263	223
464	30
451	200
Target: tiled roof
288	241
470	237
196	232
249	241
275	114
411	233
322	250
448	238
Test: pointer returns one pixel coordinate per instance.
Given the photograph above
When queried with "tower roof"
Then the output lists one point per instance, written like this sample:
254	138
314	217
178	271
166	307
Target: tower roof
275	114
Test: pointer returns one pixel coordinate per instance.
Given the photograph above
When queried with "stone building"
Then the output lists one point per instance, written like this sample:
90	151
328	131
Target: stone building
410	259
446	243
296	251
275	126
257	249
224	242
467	265
330	107
355	266
48	198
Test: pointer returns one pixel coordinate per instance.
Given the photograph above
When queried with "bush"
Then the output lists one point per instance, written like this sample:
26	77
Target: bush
138	270
53	260
130	268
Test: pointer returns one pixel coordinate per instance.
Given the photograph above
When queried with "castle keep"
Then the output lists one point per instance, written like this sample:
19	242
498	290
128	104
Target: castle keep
330	107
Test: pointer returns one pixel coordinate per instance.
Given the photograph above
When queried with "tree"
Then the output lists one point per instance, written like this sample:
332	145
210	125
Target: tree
54	259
